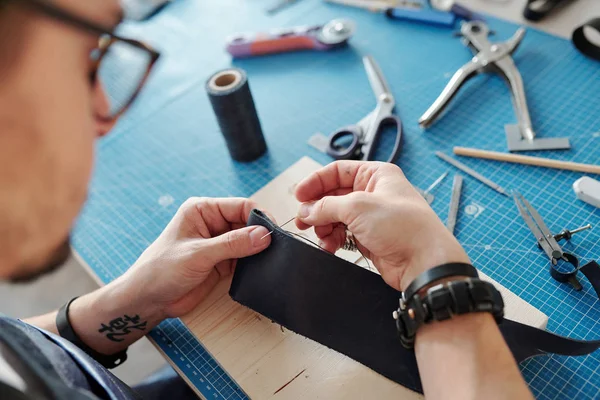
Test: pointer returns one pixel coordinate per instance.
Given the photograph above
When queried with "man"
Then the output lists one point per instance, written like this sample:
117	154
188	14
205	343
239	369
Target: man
53	103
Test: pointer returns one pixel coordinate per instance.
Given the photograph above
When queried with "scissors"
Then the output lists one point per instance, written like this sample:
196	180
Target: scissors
549	242
366	133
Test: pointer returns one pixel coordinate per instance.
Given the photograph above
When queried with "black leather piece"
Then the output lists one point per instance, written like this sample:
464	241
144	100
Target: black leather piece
591	271
349	309
525	342
327	299
583	44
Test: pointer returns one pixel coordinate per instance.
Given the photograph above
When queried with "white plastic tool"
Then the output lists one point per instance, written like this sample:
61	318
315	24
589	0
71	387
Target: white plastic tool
588	189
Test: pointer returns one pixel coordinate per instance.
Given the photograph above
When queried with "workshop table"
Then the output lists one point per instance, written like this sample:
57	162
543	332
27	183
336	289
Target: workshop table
168	147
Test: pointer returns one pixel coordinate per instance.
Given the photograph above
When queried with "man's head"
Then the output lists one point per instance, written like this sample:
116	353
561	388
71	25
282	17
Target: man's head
48	122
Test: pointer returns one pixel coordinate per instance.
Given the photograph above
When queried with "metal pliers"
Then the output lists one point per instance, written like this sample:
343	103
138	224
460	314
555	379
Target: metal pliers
494	57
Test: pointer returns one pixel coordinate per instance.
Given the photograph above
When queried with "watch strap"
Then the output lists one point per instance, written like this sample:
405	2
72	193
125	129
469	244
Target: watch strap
437	273
65	330
442	302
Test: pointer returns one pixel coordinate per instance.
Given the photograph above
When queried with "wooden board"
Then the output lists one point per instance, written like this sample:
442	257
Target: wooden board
270	362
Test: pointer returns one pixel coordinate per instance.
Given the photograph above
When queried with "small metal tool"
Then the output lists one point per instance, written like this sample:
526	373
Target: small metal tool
567	234
280	5
495	57
281	226
549	242
457	9
473	173
429	198
427	192
333	34
425	16
454	202
379	5
364	135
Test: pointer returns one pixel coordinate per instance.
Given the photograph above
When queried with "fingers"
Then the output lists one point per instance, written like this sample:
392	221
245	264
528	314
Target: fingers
337	175
324	230
329	210
342	177
210	217
334	240
301	225
235	244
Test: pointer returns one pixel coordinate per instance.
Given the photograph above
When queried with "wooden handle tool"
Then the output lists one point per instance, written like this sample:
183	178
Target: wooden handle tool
520	159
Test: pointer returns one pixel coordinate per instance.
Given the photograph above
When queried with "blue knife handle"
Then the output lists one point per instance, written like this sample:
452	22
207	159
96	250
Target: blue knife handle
425	16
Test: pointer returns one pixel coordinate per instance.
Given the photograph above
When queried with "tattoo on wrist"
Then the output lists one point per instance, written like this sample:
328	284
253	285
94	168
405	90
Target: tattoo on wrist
122	326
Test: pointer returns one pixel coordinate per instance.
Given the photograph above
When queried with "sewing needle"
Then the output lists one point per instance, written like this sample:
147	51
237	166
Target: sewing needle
281	226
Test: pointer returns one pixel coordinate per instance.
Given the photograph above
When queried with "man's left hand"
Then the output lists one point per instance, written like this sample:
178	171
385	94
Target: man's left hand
199	247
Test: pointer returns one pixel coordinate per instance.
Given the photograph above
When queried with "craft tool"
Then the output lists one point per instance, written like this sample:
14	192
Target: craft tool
567	234
427	192
495	57
549	242
588	190
457	9
364	135
406	10
232	102
379	5
429	198
472	172
436	183
280	5
583	43
454	202
528	160
536	10
427	16
333	34
281	226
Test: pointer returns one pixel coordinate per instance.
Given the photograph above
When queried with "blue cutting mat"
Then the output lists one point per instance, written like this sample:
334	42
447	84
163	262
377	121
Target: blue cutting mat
169	148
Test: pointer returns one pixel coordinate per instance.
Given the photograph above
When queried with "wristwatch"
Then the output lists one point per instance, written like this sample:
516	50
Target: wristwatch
65	330
424	301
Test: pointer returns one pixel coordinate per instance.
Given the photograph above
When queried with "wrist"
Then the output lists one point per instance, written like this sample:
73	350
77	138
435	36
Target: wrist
427	299
111	318
437	253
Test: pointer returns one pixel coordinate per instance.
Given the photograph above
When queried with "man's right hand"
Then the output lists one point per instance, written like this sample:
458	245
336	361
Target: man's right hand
391	222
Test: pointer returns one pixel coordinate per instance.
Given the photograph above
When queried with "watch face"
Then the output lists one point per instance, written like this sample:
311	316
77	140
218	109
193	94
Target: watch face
336	31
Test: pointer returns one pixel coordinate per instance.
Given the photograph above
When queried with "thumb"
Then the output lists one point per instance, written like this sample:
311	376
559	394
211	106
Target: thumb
328	210
238	243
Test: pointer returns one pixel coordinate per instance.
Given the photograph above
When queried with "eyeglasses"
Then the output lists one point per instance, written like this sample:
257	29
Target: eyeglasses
120	65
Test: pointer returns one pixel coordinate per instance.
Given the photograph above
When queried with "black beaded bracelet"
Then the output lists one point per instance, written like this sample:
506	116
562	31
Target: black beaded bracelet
66	331
437	273
466	294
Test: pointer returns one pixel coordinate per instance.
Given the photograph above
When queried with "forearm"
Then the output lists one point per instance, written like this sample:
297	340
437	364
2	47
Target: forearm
109	319
466	357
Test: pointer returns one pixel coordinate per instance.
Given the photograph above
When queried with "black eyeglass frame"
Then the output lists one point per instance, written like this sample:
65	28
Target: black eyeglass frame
107	38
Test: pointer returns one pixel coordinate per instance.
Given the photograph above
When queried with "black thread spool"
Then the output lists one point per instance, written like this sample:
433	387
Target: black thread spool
232	102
